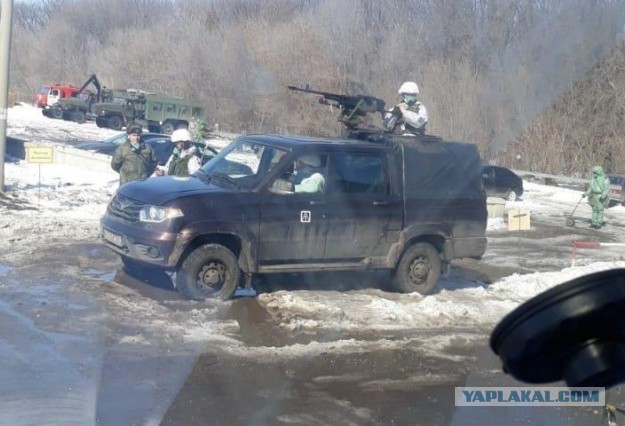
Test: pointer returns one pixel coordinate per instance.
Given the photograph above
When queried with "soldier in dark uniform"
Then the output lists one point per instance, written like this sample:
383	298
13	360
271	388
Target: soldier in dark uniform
134	159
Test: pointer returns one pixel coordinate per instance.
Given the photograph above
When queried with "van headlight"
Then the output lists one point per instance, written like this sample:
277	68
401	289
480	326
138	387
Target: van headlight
158	214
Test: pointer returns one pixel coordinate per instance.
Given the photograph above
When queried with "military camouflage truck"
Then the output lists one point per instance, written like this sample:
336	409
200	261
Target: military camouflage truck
157	112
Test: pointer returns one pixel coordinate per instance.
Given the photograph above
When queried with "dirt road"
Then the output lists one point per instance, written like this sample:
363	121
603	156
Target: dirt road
139	354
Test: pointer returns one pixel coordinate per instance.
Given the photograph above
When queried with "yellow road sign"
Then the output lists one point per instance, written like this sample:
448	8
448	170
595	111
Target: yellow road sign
39	154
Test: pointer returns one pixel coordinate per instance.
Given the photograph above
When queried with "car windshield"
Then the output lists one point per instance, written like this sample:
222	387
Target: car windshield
117	139
241	165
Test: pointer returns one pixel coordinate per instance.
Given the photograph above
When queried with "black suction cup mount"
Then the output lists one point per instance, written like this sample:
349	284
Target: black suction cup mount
573	332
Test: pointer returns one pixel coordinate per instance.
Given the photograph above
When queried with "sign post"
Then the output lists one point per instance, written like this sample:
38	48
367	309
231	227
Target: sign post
39	155
6	17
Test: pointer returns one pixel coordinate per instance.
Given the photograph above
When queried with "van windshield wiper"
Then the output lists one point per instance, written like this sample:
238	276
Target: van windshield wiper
222	177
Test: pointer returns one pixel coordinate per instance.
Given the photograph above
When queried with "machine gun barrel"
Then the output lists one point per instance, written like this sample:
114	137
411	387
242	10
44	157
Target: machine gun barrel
353	108
316	92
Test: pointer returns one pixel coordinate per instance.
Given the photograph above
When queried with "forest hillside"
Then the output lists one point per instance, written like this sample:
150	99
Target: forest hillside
537	85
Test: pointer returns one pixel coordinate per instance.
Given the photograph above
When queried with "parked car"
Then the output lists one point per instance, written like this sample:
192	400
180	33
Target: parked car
502	182
617	188
160	143
298	204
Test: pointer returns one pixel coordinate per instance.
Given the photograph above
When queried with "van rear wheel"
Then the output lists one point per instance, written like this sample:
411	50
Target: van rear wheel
210	271
418	270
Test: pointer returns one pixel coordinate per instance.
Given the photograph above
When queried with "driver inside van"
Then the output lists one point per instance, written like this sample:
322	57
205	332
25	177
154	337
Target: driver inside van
308	177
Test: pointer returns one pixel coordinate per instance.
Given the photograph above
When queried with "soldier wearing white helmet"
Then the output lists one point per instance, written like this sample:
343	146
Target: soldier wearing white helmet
184	159
308	176
409	115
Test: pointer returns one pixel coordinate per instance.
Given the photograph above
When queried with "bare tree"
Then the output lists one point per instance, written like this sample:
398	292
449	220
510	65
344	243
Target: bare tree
516	78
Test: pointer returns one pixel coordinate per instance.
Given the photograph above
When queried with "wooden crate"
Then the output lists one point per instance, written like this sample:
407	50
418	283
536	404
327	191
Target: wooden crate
518	220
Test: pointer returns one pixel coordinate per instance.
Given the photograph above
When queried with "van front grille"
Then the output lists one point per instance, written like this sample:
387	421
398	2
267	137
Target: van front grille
124	208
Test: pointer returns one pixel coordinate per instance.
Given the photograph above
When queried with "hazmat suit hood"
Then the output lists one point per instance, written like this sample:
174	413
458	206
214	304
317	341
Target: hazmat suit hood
598	170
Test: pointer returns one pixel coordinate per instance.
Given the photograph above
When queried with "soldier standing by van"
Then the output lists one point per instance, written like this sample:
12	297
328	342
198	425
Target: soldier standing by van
134	159
184	159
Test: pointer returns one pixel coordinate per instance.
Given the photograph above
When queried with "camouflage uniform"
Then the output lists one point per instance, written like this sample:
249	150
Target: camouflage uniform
178	165
133	164
410	120
415	123
196	128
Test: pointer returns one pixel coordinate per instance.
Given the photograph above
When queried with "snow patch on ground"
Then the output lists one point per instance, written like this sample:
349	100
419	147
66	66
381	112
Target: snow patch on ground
60	338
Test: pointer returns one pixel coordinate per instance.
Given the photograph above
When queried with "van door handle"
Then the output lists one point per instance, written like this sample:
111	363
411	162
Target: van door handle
316	202
381	203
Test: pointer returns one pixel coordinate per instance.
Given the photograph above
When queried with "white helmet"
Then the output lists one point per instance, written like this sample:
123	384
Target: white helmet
180	135
409	88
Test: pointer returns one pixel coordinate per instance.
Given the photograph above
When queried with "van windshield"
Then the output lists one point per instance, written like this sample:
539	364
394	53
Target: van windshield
242	165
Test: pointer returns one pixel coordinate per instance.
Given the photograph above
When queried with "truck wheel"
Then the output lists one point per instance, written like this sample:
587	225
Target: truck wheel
418	270
210	271
102	122
115	122
56	113
78	116
167	127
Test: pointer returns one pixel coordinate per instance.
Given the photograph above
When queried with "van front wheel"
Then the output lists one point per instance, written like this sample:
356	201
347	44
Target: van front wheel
210	271
418	270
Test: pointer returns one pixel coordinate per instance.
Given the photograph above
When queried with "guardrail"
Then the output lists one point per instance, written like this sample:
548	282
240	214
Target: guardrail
555	180
65	154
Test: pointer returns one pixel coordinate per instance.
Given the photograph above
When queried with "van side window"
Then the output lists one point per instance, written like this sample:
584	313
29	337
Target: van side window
358	173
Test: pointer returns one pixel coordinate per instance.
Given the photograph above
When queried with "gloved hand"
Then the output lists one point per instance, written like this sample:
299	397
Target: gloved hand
160	171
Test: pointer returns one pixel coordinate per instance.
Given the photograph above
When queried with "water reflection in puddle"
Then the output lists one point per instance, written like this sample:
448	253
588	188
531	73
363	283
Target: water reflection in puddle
105	276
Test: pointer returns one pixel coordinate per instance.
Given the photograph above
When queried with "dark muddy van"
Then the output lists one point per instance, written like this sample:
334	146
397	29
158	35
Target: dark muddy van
269	203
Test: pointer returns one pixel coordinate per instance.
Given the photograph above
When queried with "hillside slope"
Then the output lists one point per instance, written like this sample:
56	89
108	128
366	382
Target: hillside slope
583	128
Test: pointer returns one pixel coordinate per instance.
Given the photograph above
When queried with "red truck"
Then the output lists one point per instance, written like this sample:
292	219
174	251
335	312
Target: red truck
49	94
